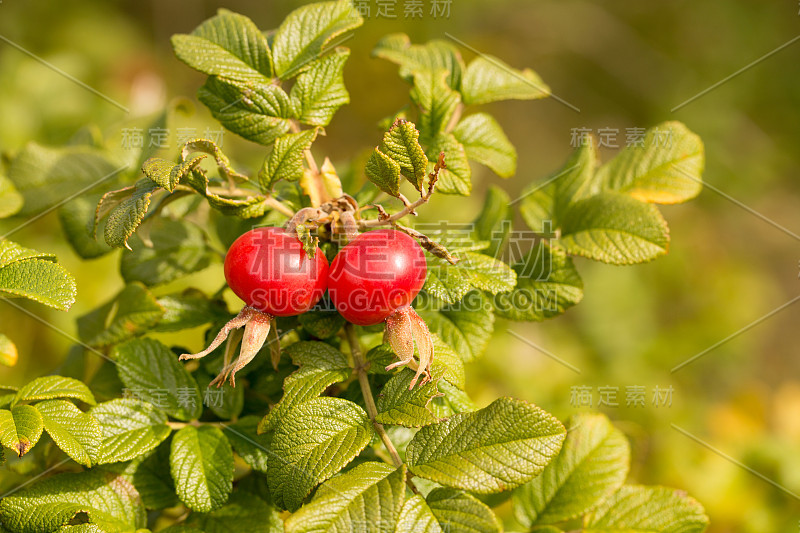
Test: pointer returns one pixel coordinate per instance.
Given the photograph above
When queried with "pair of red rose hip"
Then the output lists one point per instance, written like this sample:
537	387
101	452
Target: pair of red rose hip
372	279
374	275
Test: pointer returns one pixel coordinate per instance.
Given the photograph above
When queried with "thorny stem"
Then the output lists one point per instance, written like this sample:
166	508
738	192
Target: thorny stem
409	208
429	244
369	400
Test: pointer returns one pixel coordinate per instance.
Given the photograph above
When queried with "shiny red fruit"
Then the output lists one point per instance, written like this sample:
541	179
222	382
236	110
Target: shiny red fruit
374	275
270	271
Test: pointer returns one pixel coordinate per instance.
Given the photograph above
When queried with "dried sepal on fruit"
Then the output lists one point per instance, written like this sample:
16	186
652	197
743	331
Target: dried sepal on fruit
405	329
256	329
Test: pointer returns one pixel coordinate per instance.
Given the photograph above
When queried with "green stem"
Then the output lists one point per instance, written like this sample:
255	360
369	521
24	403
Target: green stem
366	391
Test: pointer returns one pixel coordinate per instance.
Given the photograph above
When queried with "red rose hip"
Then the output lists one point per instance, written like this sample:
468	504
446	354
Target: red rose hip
375	274
270	271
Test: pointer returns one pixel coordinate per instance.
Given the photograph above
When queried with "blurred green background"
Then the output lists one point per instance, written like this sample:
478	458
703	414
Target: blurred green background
623	64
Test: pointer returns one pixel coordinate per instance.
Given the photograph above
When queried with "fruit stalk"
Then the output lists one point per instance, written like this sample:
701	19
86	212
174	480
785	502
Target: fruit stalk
366	391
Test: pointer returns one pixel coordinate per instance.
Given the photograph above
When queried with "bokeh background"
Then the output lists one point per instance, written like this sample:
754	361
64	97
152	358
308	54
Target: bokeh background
623	64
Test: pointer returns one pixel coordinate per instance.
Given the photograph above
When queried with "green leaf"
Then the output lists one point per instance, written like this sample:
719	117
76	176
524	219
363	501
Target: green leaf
547	285
459	512
45	176
666	168
450	283
537	207
75	432
130	428
637	509
39	280
544	205
487	79
246	441
321	365
201	462
226	402
592	465
285	162
384	172
576	180
132	312
416	516
437	102
20	428
614	228
178	249
77	223
452	401
152	479
108	500
493	223
466	327
452	365
401	144
320	91
228	45
457	177
314	441
189	309
206	146
52	387
243	207
8	351
243	511
81	528
307	30
11	252
367	498
398	405
322	323
10	200
257	112
167	174
485	142
153	373
472	451
126	217
435	55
